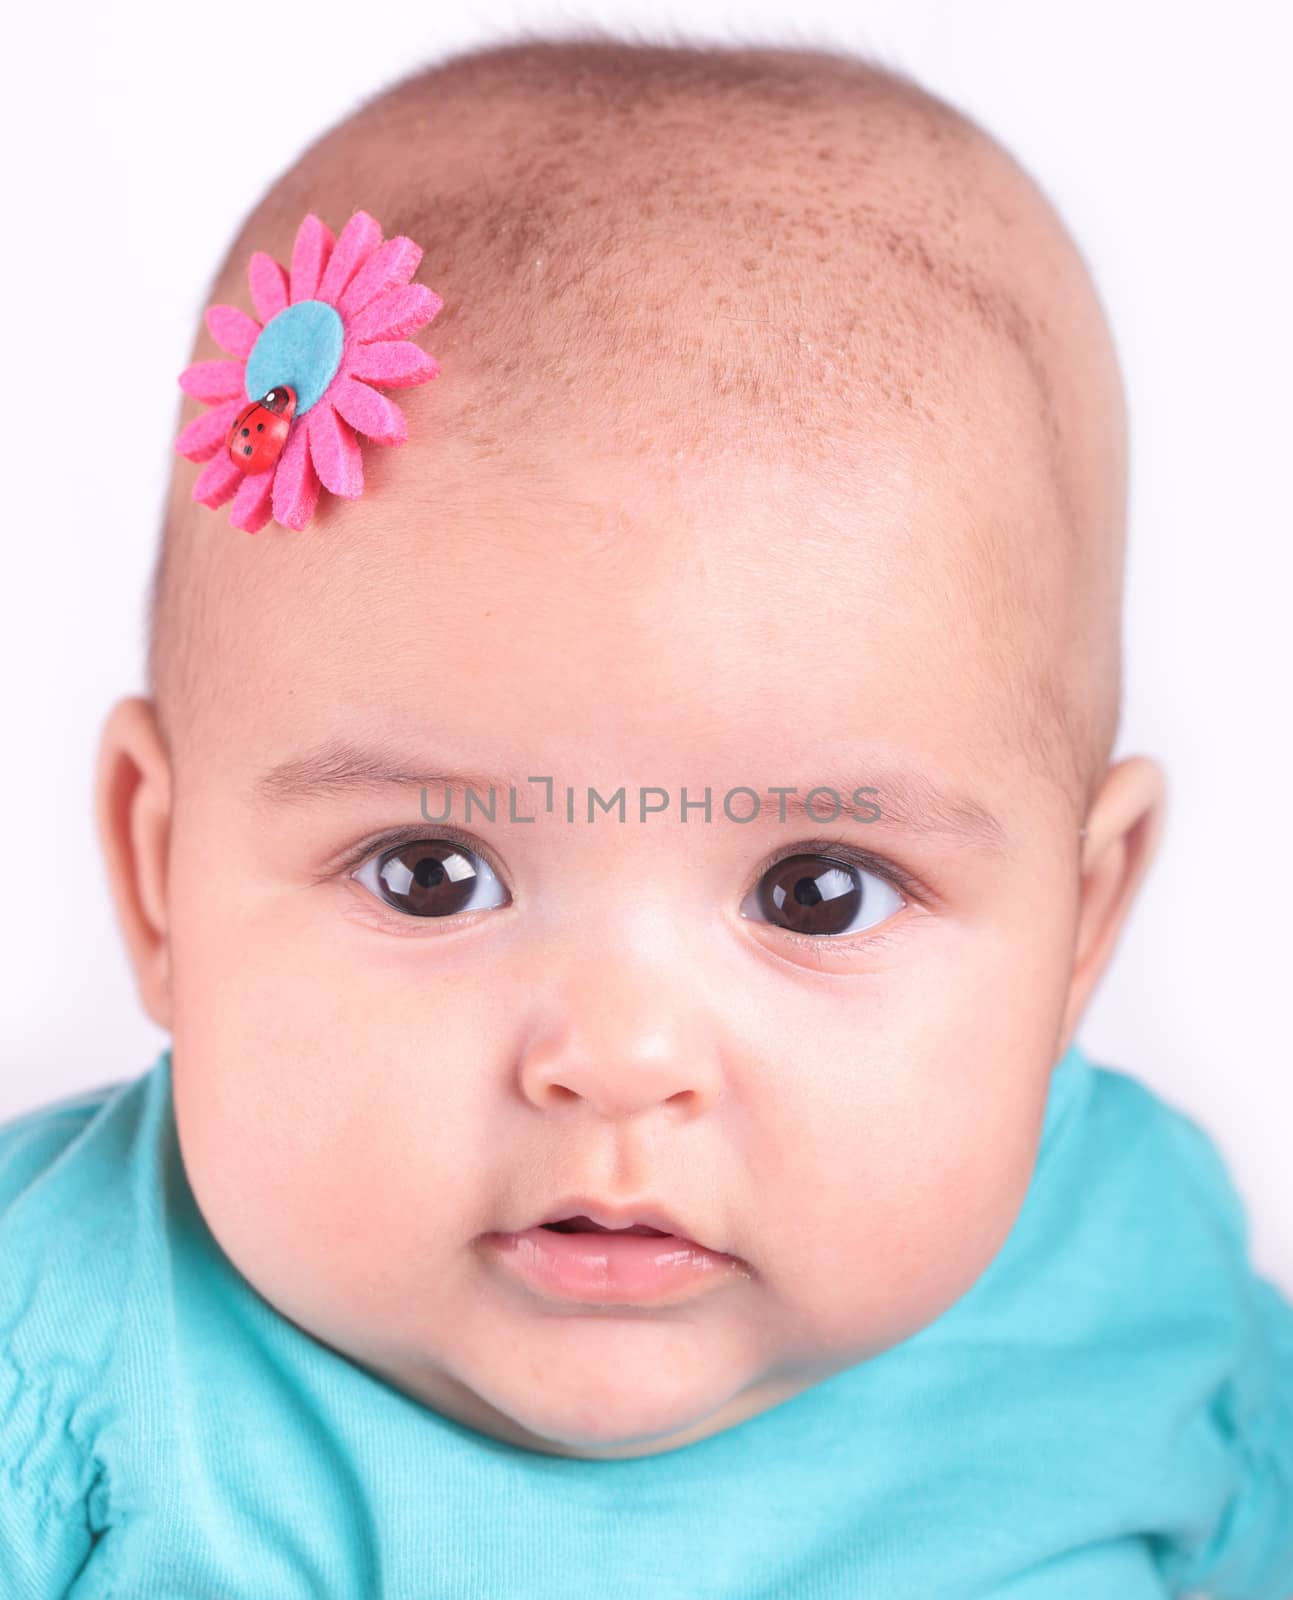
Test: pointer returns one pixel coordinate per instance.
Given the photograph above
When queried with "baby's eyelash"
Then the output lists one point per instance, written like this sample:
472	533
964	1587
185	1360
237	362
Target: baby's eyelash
377	844
844	944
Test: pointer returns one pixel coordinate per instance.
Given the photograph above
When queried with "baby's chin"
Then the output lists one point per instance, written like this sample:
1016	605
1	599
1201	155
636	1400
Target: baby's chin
619	1393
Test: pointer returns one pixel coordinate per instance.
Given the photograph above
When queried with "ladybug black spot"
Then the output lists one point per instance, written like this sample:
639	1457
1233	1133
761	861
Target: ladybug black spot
260	428
246	449
245	432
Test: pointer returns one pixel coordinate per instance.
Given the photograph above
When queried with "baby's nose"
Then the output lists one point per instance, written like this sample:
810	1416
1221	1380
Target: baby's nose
623	1037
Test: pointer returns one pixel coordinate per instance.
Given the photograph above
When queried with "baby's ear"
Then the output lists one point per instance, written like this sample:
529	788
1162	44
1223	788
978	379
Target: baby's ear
133	808
1122	831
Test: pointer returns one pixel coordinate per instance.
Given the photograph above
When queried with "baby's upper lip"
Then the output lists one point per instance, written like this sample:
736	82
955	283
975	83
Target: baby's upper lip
623	1214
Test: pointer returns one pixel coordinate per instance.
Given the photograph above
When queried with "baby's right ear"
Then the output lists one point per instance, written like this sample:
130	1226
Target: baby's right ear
133	809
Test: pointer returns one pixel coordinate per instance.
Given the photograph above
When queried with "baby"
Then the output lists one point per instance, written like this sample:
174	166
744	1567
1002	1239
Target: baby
620	891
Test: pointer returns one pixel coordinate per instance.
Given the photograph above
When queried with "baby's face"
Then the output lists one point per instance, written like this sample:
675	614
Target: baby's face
833	1075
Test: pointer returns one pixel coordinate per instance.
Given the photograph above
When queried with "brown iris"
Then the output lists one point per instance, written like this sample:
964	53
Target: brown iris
811	894
428	878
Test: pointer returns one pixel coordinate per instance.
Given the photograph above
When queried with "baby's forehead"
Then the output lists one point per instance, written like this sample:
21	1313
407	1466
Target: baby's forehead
725	620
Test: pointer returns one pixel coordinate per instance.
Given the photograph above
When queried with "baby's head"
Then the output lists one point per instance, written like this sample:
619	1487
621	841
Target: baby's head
778	445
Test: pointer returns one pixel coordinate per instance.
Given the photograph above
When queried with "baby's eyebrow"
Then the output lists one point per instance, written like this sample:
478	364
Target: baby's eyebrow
907	799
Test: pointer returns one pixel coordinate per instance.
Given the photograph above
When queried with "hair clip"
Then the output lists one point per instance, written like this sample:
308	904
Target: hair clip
285	410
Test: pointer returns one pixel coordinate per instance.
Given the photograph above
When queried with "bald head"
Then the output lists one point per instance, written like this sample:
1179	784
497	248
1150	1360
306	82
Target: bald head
695	256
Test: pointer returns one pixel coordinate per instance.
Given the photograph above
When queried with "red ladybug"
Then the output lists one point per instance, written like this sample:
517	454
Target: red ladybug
259	433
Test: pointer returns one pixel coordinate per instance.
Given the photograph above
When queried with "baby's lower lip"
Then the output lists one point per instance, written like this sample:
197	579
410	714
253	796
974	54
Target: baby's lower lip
609	1268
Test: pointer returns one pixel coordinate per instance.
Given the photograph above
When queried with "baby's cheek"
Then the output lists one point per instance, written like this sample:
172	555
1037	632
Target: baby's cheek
270	1075
953	1117
898	1214
915	1254
320	1108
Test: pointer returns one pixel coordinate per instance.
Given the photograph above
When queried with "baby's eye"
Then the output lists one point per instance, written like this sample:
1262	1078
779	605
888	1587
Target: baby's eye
820	894
431	878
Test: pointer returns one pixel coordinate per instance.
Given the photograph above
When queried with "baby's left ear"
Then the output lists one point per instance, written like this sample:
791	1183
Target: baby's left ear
1123	829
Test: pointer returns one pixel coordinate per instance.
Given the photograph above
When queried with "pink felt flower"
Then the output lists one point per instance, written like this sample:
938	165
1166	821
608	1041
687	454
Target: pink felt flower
332	325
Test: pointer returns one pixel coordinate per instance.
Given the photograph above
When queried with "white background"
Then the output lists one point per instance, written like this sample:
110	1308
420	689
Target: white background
137	136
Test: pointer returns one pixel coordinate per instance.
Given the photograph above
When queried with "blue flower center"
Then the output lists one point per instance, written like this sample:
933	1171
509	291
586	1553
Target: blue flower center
301	346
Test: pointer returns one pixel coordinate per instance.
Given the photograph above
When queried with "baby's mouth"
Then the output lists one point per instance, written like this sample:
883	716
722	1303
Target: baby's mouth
643	1218
586	1225
587	1262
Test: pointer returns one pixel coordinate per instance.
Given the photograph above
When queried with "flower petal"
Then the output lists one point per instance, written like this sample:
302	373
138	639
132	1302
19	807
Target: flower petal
390	267
371	413
335	453
268	284
251	505
216	482
296	487
232	330
200	440
309	257
397	363
355	243
213	381
396	313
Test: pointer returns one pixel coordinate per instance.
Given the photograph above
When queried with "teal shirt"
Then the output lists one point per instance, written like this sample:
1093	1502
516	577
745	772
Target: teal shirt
1107	1414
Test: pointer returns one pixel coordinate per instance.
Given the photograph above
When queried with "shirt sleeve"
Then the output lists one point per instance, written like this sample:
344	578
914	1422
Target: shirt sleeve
1249	1554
